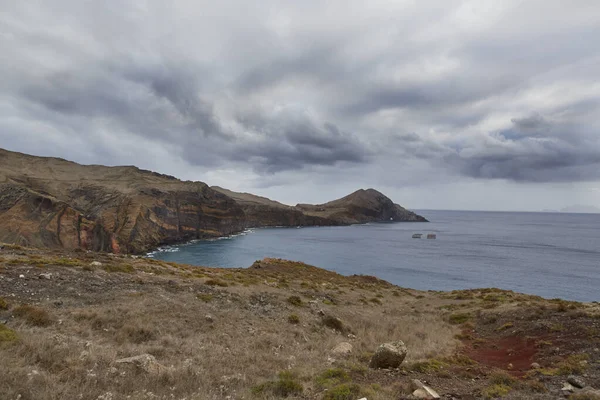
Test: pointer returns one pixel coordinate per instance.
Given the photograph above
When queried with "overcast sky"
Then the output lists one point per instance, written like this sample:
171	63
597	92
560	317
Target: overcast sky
439	104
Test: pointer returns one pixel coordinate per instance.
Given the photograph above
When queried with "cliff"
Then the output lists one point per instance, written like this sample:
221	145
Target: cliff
51	202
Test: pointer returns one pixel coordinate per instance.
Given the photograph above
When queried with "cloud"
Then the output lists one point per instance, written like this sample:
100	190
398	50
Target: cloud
338	89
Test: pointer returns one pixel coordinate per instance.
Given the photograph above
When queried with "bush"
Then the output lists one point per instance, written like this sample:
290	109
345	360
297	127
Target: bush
459	318
3	304
205	297
333	323
33	315
216	282
495	391
346	391
7	334
295	301
502	378
293	319
333	376
285	386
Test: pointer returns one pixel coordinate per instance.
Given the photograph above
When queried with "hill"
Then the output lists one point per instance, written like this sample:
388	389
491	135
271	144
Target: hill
51	202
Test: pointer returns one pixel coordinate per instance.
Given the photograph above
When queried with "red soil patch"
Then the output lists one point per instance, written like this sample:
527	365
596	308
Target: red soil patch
501	352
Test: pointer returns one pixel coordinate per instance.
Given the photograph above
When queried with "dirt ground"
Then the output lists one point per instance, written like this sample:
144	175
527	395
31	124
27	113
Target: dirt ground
268	332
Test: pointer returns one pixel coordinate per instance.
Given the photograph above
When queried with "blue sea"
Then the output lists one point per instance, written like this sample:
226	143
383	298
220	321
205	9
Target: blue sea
546	254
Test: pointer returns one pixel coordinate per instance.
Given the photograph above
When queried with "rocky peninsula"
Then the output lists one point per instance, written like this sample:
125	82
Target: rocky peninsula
51	202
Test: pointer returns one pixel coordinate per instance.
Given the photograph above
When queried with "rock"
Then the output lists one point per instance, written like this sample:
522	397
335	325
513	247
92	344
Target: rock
567	389
342	349
96	264
45	276
423	391
576	381
535	366
509	366
389	355
21	276
145	362
209	318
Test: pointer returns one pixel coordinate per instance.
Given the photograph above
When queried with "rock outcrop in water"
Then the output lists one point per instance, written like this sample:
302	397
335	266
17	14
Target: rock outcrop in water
51	202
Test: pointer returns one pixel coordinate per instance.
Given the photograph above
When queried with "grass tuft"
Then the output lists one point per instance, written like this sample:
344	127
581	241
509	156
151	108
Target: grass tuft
33	315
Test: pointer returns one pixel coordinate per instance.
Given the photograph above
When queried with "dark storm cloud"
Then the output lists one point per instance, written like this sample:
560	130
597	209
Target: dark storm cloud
291	140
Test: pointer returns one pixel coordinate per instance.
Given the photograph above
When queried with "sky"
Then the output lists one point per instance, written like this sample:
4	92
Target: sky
475	104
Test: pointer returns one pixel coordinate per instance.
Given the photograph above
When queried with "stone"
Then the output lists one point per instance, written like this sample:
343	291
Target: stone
567	388
96	264
342	349
535	366
209	318
45	276
21	276
423	390
576	381
145	362
389	355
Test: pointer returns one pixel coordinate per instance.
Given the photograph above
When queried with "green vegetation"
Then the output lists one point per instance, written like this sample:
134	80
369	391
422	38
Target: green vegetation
427	366
459	318
7	334
346	391
124	268
332	377
495	391
502	378
3	304
285	386
216	282
333	323
295	301
293	319
205	297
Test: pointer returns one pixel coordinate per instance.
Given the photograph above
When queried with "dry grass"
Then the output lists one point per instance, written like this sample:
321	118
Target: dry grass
253	334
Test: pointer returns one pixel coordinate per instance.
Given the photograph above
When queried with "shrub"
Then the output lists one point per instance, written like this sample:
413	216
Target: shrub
428	366
3	304
285	386
495	391
333	323
332	376
346	391
502	378
295	301
205	297
33	315
293	319
124	268
459	318
7	334
216	282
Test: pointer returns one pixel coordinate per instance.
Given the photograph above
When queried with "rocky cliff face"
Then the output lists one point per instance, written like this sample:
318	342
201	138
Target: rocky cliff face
50	202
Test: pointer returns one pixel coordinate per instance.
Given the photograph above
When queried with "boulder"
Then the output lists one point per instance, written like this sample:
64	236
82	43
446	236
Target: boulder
342	349
576	381
144	362
389	355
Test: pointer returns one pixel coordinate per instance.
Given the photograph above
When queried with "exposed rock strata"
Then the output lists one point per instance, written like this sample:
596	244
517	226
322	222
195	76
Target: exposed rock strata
51	202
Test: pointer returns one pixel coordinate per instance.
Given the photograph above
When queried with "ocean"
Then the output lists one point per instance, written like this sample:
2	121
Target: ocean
553	255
